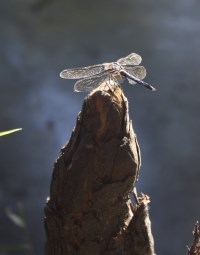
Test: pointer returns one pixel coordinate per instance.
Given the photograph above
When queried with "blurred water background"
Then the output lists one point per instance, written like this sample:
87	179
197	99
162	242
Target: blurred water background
38	39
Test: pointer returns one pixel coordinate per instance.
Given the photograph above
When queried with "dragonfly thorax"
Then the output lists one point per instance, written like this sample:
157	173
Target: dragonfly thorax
113	67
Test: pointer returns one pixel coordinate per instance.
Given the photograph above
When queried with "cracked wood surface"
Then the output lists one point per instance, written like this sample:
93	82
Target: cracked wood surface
89	210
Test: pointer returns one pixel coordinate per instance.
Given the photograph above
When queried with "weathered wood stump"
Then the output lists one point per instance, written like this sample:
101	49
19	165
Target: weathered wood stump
89	211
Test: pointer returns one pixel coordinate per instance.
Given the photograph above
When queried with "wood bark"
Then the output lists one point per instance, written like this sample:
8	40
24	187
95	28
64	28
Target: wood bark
195	248
89	210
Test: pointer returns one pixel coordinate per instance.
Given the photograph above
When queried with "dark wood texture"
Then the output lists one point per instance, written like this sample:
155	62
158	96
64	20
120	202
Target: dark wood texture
89	211
195	248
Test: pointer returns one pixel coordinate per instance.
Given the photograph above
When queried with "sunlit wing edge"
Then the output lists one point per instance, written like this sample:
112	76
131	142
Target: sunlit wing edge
131	59
138	71
89	84
82	72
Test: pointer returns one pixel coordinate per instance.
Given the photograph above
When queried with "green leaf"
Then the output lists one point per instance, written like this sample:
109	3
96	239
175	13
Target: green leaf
10	131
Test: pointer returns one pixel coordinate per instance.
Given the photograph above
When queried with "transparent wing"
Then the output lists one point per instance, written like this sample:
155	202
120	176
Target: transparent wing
88	84
117	78
137	71
131	59
131	81
82	72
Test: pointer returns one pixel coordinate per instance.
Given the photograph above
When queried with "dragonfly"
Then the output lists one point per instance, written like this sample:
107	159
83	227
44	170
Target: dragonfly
90	77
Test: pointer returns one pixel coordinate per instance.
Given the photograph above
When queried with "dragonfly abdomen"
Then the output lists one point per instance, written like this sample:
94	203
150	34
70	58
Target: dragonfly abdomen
134	78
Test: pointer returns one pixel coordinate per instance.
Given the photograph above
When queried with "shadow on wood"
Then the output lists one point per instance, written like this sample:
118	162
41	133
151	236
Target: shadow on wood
89	211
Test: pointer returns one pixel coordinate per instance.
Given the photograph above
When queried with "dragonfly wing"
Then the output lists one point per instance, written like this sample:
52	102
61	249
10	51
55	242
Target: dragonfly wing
88	84
137	71
131	81
117	78
82	72
131	59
